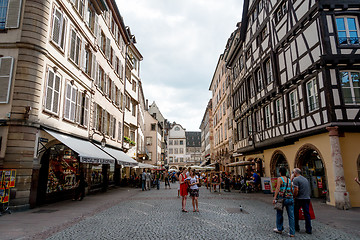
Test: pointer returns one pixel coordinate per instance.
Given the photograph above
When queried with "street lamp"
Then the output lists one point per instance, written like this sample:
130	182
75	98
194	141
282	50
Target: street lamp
103	140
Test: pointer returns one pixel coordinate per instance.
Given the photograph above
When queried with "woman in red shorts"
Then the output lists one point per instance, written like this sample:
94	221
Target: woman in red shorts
183	189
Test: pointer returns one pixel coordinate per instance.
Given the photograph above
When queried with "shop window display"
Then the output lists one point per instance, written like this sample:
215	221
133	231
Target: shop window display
96	175
63	167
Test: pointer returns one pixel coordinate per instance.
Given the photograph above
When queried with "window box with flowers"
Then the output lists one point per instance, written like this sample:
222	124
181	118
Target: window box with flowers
129	141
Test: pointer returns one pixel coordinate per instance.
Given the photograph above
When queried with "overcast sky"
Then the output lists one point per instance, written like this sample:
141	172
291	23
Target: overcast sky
181	41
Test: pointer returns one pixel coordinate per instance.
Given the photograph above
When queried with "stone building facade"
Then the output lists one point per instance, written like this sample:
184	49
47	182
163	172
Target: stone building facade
62	71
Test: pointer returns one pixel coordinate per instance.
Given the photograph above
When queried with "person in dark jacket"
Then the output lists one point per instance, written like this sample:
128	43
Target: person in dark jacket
81	184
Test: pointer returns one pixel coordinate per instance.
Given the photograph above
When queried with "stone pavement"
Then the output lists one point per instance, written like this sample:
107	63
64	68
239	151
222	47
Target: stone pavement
124	213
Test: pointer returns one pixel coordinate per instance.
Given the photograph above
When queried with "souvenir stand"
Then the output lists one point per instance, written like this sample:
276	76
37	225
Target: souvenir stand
7	181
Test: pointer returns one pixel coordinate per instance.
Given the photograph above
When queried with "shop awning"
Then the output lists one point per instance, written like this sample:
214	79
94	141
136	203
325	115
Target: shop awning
88	152
242	163
121	157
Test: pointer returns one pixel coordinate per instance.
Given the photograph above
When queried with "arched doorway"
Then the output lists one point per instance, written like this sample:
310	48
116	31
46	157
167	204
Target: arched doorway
278	160
310	162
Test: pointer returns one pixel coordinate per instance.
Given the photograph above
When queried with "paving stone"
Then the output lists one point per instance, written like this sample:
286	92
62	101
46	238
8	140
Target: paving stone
157	215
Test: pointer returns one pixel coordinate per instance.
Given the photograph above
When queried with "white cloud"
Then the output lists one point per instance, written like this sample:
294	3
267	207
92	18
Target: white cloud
181	42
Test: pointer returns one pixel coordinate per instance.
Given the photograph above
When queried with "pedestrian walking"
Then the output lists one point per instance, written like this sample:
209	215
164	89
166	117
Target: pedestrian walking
302	193
166	179
143	180
157	179
183	188
148	180
194	190
284	192
80	189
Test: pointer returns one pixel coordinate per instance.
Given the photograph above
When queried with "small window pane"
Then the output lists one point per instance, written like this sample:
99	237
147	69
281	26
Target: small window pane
340	24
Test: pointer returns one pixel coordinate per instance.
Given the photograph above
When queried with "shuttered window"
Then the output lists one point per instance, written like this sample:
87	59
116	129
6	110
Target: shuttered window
79	6
58	28
119	131
75	47
82	111
70	102
6	69
52	92
10	11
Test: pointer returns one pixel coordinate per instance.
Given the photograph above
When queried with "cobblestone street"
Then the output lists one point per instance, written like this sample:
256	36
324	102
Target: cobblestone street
156	214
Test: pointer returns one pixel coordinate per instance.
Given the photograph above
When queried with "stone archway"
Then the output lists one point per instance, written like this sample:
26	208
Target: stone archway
278	160
310	161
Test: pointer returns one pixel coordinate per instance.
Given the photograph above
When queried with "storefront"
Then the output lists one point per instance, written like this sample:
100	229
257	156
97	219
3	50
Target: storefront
62	162
277	162
313	169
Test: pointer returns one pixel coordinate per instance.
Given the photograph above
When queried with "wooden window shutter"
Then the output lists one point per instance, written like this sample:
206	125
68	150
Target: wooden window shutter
114	128
6	69
56	26
96	28
93	67
73	103
67	101
86	110
97	75
49	90
83	60
57	85
79	107
107	48
13	14
96	115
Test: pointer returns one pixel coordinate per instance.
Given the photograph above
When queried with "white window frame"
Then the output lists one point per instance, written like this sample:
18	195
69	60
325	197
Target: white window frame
267	116
62	28
71	101
312	95
347	30
351	87
294	104
77	48
53	109
269	74
279	111
7	75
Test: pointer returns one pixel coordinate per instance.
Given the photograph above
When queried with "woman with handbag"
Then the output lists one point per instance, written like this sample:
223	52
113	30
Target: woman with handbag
283	198
194	190
183	188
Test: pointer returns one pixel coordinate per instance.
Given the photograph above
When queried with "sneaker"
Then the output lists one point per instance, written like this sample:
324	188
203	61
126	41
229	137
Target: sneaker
291	235
277	231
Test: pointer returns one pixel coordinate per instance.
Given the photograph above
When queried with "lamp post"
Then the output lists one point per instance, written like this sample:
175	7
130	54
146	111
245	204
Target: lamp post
103	140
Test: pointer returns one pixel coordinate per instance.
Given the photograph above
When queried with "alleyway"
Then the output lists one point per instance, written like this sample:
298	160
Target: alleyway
134	214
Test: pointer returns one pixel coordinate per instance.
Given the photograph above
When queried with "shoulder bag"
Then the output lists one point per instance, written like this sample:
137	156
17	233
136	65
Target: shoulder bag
279	205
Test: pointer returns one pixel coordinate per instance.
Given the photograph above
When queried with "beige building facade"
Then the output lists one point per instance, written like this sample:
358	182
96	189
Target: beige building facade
221	110
64	72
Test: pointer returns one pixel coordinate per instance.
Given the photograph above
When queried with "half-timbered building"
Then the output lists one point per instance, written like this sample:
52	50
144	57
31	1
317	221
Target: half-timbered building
296	93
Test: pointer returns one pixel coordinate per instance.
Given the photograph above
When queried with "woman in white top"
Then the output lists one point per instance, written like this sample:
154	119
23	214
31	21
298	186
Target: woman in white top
194	190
